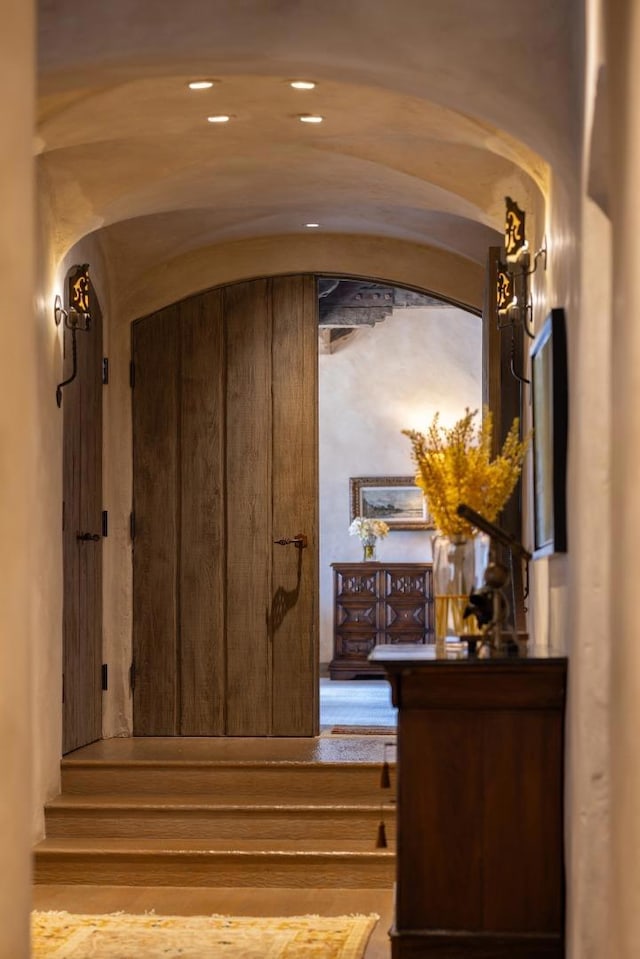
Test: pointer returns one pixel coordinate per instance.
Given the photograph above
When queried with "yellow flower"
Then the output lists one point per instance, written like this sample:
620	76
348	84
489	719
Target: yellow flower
455	466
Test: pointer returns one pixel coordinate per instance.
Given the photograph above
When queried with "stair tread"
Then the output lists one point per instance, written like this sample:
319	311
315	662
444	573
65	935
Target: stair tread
220	813
163	846
232	751
195	801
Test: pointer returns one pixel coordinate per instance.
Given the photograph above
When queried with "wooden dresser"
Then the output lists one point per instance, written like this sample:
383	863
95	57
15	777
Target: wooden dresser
480	869
378	603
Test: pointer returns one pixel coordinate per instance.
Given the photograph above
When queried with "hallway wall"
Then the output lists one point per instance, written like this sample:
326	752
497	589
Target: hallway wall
20	362
622	38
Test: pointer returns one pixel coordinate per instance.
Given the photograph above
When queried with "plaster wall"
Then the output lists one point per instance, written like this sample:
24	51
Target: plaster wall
446	274
19	426
622	24
384	379
588	733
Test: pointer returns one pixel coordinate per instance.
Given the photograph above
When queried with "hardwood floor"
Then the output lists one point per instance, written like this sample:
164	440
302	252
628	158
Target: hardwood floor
321	750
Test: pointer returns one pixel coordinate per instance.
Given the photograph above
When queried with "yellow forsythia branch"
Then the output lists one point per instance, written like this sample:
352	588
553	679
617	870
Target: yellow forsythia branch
455	466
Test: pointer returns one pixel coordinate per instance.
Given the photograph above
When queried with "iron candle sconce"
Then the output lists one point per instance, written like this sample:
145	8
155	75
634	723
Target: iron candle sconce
77	317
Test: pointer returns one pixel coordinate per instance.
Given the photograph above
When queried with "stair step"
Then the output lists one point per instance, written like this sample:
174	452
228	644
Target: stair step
188	816
229	782
242	862
217	812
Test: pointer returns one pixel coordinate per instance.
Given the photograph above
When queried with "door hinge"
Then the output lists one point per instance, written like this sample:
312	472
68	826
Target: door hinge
105	370
132	676
63	516
105	522
132	374
63	689
105	676
132	525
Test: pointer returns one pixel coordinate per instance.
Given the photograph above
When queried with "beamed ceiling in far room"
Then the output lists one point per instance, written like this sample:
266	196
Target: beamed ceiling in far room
345	305
420	141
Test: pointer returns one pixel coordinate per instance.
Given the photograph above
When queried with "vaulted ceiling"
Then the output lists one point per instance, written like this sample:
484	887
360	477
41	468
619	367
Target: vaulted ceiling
433	112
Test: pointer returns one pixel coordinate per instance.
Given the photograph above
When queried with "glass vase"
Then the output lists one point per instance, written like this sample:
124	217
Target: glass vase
369	549
459	563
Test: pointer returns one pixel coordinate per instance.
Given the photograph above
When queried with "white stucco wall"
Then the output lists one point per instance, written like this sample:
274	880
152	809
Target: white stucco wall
384	379
21	360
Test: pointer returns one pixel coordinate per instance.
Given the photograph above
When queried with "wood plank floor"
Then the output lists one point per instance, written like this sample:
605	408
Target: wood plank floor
168	900
323	749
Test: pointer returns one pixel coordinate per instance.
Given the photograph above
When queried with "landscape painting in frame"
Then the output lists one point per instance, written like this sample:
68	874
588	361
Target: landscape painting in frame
394	499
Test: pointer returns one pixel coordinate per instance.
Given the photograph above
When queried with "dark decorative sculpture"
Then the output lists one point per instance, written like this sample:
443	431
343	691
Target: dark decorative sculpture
489	604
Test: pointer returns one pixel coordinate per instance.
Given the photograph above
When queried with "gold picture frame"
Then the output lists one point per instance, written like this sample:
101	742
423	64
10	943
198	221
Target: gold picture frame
395	499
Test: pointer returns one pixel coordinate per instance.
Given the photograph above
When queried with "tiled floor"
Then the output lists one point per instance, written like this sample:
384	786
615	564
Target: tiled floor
347	702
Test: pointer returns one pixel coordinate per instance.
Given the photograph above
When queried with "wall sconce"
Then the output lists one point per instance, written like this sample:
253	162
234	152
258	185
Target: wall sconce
513	297
506	298
509	314
77	317
516	245
515	237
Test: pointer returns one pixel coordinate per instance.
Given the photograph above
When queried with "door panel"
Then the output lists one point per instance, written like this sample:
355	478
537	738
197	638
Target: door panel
295	495
502	394
82	559
249	529
229	636
156	705
202	539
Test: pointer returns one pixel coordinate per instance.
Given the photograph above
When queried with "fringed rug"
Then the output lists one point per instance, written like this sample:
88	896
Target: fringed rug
61	935
363	730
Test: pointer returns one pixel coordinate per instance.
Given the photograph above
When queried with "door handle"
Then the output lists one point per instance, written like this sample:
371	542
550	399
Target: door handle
88	537
299	541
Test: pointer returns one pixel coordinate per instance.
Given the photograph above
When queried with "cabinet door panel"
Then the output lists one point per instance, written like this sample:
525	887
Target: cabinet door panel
398	616
352	583
355	645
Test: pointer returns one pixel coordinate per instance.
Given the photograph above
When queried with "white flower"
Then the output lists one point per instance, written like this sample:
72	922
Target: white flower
368	529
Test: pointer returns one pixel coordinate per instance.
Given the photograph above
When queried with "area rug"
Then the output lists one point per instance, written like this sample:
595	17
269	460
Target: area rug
363	731
62	935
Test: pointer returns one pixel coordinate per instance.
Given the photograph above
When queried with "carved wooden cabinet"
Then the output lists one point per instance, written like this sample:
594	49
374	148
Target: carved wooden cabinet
378	603
480	870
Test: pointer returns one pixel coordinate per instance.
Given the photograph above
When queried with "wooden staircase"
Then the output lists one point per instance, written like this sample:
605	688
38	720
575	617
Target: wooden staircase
220	821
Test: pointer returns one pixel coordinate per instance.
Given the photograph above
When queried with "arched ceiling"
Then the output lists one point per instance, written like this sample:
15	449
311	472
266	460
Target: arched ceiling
433	113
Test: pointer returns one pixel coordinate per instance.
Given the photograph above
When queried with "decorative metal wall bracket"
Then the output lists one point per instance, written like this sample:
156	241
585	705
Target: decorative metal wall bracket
514	302
77	318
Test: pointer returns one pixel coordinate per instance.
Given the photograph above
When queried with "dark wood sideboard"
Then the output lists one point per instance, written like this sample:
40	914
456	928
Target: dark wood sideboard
480	869
378	603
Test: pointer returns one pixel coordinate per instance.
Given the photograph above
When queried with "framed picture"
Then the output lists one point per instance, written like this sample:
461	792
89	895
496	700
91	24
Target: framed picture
550	426
395	499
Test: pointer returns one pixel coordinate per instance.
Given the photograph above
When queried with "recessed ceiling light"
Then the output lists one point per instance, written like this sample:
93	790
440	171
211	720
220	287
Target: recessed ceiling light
200	84
221	118
310	118
302	84
312	226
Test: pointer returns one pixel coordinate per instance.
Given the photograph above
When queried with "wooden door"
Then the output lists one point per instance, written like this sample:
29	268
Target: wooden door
503	361
225	462
82	558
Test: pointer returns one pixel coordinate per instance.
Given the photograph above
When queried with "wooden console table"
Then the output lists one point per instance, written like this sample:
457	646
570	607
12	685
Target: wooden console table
378	603
480	869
